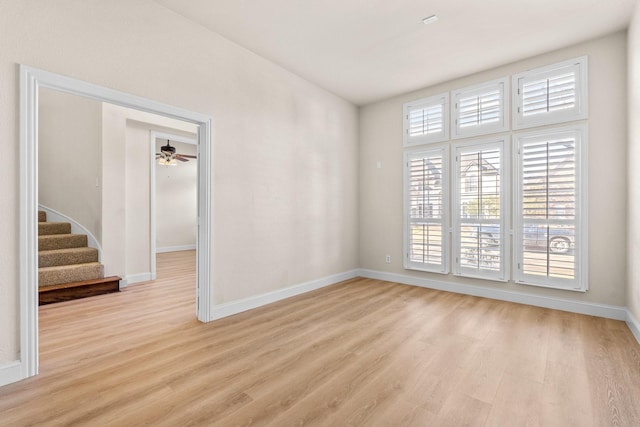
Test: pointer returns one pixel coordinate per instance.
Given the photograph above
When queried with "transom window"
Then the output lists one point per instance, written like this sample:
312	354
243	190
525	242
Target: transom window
426	120
480	109
552	94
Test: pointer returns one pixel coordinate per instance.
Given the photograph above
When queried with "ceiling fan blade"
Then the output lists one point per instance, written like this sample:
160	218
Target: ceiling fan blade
181	159
188	156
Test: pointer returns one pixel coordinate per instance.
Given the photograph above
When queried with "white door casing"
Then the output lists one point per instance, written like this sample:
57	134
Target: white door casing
31	79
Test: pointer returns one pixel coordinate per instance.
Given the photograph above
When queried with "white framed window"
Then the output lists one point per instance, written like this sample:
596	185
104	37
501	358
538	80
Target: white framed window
552	94
550	226
426	120
426	210
480	210
480	109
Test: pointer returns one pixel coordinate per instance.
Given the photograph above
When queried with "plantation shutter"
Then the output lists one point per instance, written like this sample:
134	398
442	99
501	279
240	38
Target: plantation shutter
426	210
548	234
480	109
426	120
479	216
551	94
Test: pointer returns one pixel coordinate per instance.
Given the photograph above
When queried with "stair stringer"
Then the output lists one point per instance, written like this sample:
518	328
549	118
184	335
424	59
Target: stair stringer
76	227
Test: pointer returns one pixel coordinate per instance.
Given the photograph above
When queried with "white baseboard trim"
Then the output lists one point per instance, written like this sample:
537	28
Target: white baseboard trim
137	278
634	325
234	307
11	373
592	309
176	248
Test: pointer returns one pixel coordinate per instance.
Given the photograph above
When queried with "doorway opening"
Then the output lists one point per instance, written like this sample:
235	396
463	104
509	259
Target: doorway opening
31	80
174	184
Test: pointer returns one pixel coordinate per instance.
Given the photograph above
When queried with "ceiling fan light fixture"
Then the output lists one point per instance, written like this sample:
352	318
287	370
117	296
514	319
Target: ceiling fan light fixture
168	149
168	156
163	161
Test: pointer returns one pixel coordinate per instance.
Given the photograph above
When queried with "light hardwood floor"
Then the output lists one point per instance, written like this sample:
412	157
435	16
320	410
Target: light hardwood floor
363	352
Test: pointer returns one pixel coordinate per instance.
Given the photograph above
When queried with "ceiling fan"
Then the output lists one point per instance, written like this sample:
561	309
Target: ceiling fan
168	155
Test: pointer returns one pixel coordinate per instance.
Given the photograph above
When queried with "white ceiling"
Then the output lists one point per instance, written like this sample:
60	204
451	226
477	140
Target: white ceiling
367	50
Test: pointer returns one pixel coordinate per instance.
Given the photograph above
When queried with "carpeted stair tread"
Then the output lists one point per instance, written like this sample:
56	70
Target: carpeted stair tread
61	241
67	268
69	273
48	228
56	257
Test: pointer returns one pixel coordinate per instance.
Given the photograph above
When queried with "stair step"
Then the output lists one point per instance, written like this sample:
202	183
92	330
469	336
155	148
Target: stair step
48	228
75	290
68	256
61	241
69	273
42	216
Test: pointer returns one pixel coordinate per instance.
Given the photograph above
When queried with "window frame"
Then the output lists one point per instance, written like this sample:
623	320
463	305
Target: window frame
441	100
581	281
579	112
444	267
502	85
503	275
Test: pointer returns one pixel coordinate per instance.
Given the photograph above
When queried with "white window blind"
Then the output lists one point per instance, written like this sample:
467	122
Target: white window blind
548	233
480	109
426	210
546	95
479	216
551	94
426	120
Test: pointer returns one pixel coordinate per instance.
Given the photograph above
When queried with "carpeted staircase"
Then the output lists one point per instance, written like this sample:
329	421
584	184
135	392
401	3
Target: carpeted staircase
67	267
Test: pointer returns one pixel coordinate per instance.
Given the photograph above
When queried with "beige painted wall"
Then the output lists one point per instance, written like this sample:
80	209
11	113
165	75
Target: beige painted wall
177	200
381	222
70	157
138	185
285	151
633	225
137	199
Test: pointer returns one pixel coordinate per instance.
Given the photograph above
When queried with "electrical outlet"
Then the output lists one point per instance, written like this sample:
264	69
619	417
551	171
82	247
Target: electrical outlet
387	259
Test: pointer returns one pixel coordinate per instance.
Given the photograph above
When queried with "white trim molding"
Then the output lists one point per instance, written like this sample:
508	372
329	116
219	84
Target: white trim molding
175	248
136	278
245	304
588	308
634	325
11	373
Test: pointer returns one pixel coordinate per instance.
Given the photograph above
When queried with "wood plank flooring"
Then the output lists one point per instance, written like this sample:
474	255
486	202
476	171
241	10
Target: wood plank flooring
362	352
